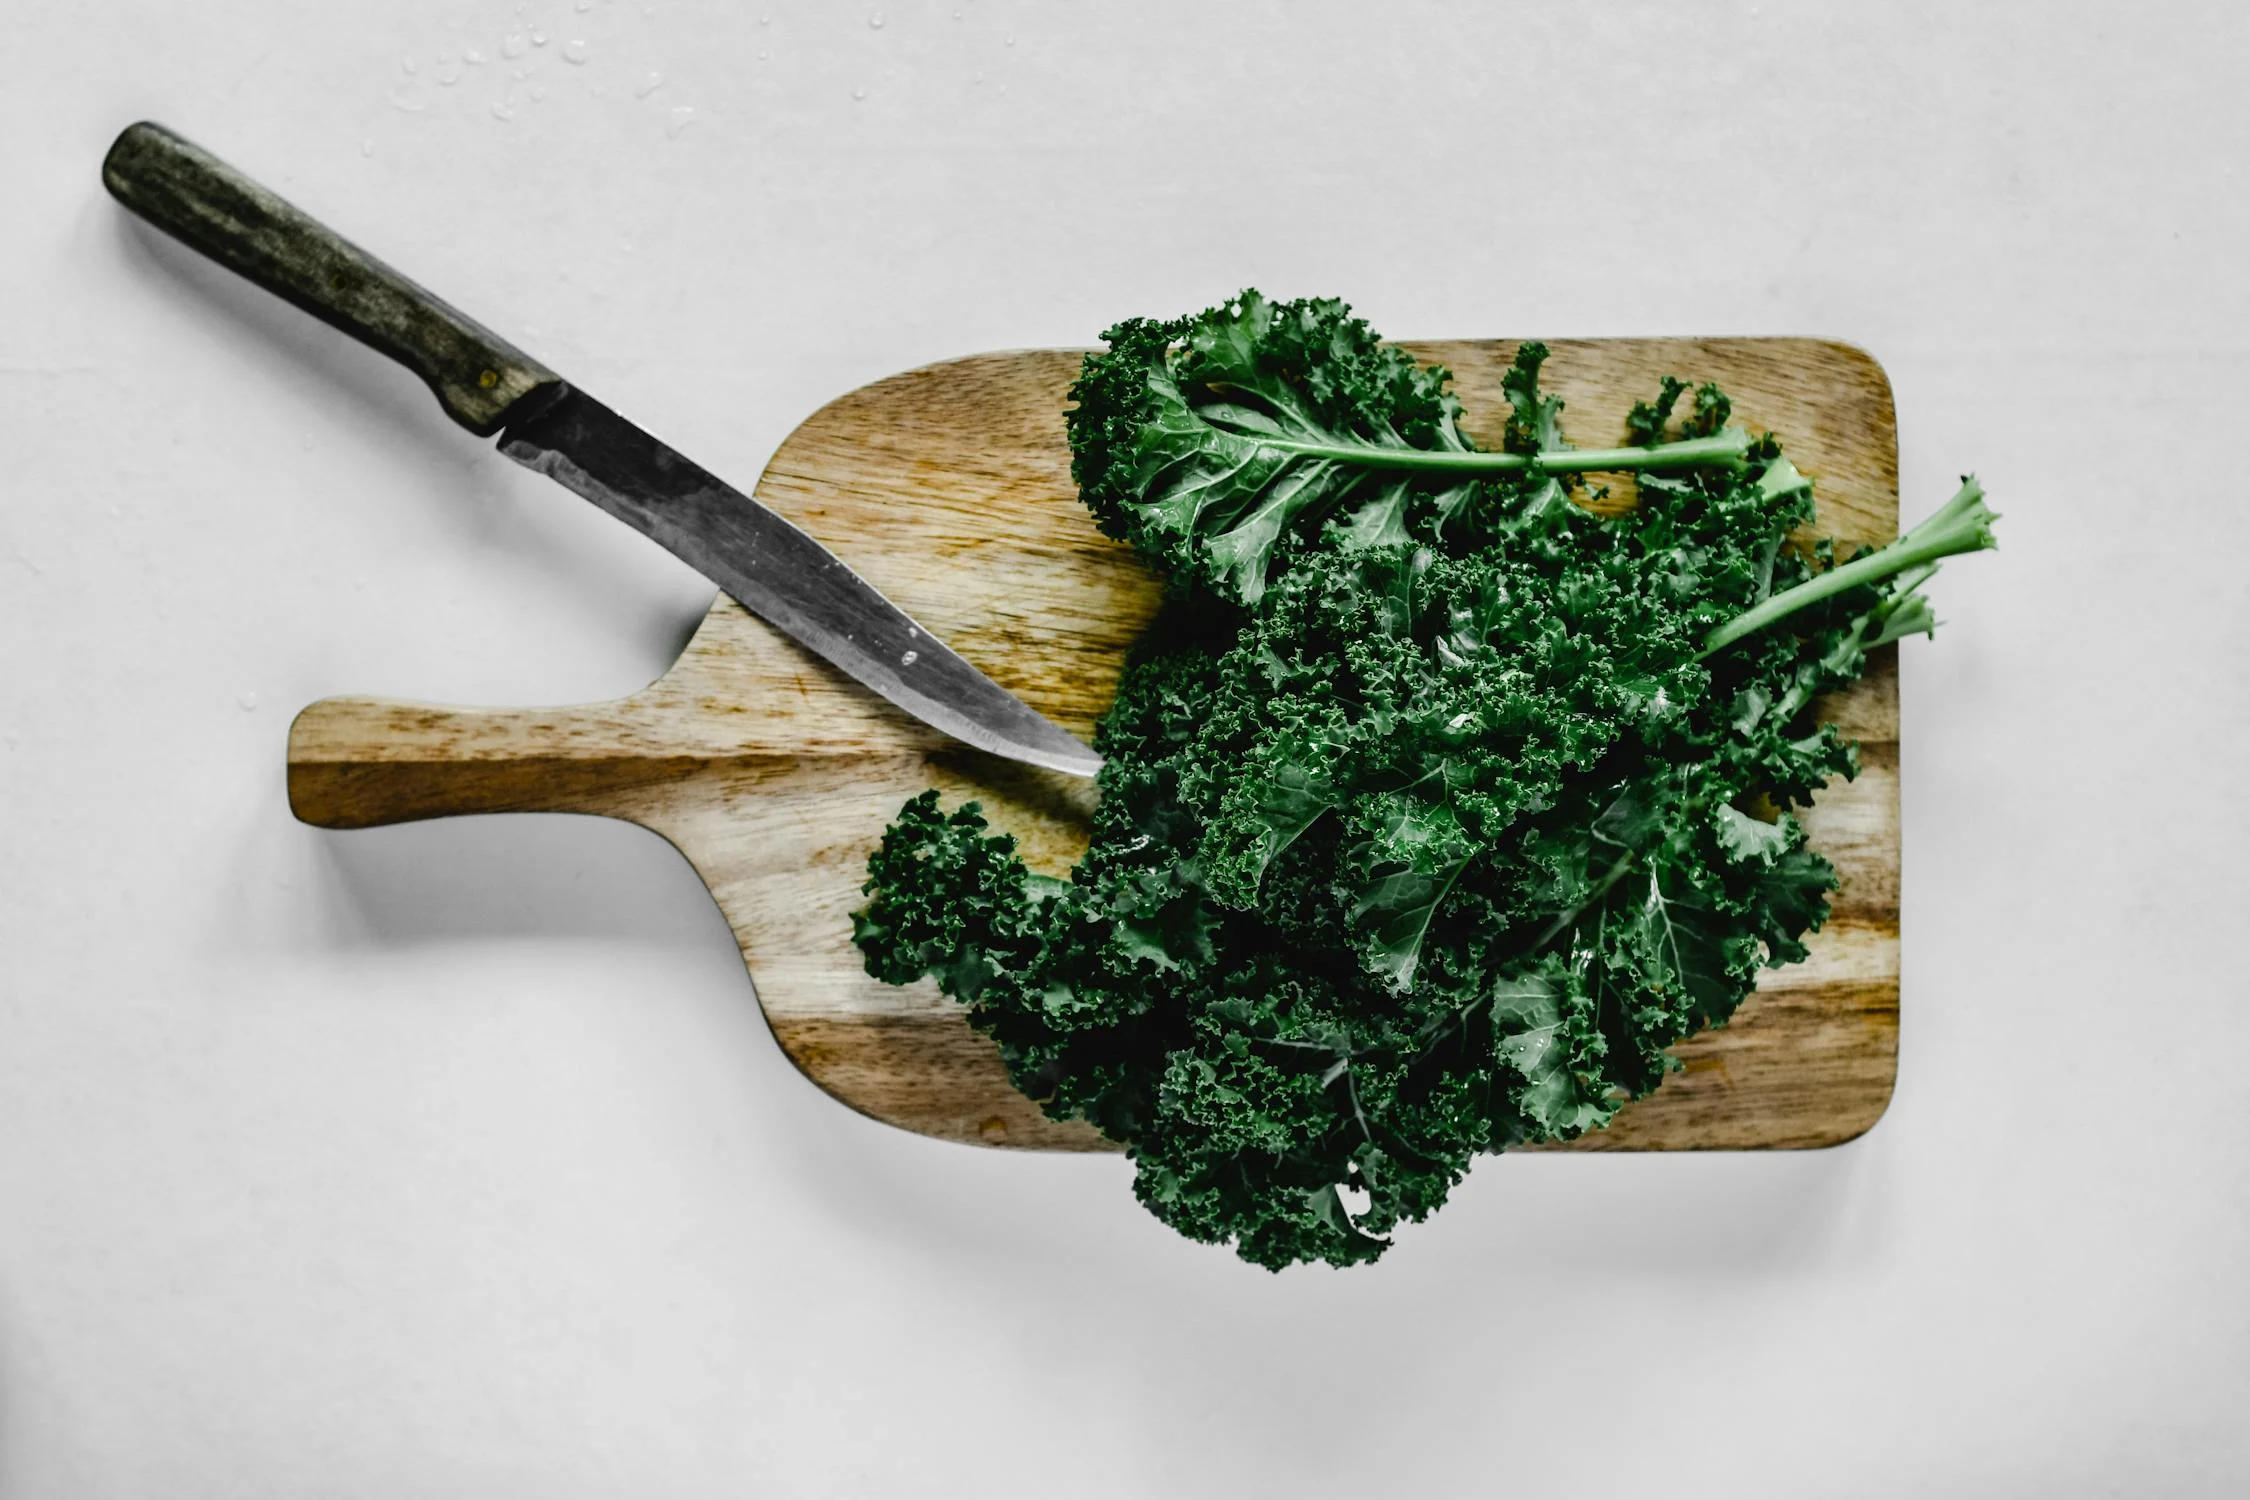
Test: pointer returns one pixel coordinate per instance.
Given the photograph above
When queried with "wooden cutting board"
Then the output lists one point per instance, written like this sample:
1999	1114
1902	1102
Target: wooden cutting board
949	489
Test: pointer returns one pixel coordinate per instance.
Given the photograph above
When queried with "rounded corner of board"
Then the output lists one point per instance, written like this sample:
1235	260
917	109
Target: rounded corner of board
1857	1126
1855	355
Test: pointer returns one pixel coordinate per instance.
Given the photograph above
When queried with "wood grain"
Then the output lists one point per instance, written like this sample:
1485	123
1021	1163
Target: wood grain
949	489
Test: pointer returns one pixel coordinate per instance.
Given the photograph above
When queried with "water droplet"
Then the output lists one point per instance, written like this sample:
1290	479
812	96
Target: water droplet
359	581
957	15
762	54
367	148
249	702
409	65
910	658
575	51
501	111
539	39
513	45
648	85
858	92
682	117
1009	39
473	57
448	76
876	21
765	20
538	92
407	106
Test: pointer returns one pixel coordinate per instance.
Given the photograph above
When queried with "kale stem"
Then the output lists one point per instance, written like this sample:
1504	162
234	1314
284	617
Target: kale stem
1727	447
1351	1086
1963	524
1554	928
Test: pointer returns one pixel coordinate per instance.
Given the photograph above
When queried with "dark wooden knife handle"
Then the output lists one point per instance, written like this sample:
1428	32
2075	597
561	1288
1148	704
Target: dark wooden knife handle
200	200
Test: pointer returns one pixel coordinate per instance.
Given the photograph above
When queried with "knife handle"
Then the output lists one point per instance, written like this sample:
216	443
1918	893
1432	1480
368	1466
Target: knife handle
209	206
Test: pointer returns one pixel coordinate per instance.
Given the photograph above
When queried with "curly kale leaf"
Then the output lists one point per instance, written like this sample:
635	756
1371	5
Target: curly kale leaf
1205	442
951	901
1428	828
1218	443
1545	1027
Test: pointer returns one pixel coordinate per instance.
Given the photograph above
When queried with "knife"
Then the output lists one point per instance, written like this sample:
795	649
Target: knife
773	569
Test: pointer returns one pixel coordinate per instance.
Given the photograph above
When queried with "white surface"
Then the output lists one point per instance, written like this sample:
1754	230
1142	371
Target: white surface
456	1159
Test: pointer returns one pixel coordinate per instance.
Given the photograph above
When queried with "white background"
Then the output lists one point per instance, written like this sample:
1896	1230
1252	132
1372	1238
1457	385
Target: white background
456	1159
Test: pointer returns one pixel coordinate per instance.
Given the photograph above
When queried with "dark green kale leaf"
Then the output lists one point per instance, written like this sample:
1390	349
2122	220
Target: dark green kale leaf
1213	442
1435	809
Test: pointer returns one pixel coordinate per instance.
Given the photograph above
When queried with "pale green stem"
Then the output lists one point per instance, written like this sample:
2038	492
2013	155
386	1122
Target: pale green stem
1723	448
1962	525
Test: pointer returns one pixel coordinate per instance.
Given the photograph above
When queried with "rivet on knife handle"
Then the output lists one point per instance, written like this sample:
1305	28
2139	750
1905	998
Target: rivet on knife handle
197	198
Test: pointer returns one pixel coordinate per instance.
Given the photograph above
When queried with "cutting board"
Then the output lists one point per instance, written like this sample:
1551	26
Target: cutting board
949	489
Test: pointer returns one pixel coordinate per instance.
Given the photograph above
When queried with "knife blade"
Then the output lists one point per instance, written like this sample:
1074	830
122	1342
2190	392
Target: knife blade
779	574
771	567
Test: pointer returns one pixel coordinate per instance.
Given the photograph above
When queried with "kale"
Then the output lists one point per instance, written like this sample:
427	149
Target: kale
1211	443
1435	808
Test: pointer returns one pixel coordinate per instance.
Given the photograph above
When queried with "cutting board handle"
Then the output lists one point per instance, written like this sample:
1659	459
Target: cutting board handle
365	762
207	205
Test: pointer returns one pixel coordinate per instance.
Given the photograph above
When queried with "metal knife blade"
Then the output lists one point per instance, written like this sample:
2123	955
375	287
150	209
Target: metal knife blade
778	573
